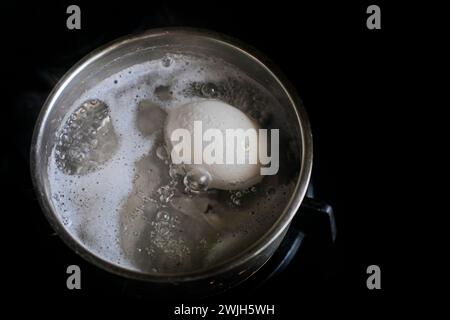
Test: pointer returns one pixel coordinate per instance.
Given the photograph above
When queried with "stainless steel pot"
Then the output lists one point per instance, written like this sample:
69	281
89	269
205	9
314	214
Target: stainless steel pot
135	49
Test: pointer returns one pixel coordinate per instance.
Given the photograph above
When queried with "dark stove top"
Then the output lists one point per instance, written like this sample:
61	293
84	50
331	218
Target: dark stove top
310	257
306	251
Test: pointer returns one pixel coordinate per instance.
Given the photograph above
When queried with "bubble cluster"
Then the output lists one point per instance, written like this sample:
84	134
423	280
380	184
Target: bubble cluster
87	139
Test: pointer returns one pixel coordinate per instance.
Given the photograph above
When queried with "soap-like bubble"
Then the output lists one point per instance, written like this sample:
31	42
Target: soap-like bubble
209	90
197	180
166	61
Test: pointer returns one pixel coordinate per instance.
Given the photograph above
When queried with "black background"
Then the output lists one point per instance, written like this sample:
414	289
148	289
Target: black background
345	74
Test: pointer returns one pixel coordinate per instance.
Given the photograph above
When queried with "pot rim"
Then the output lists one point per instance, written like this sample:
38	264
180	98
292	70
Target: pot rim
253	250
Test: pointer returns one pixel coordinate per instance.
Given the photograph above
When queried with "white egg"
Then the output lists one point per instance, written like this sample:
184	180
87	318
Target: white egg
215	114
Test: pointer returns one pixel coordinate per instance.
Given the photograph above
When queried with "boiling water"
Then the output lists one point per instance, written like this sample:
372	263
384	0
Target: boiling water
118	193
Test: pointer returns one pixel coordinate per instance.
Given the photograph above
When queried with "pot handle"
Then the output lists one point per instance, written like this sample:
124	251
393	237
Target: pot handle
315	216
